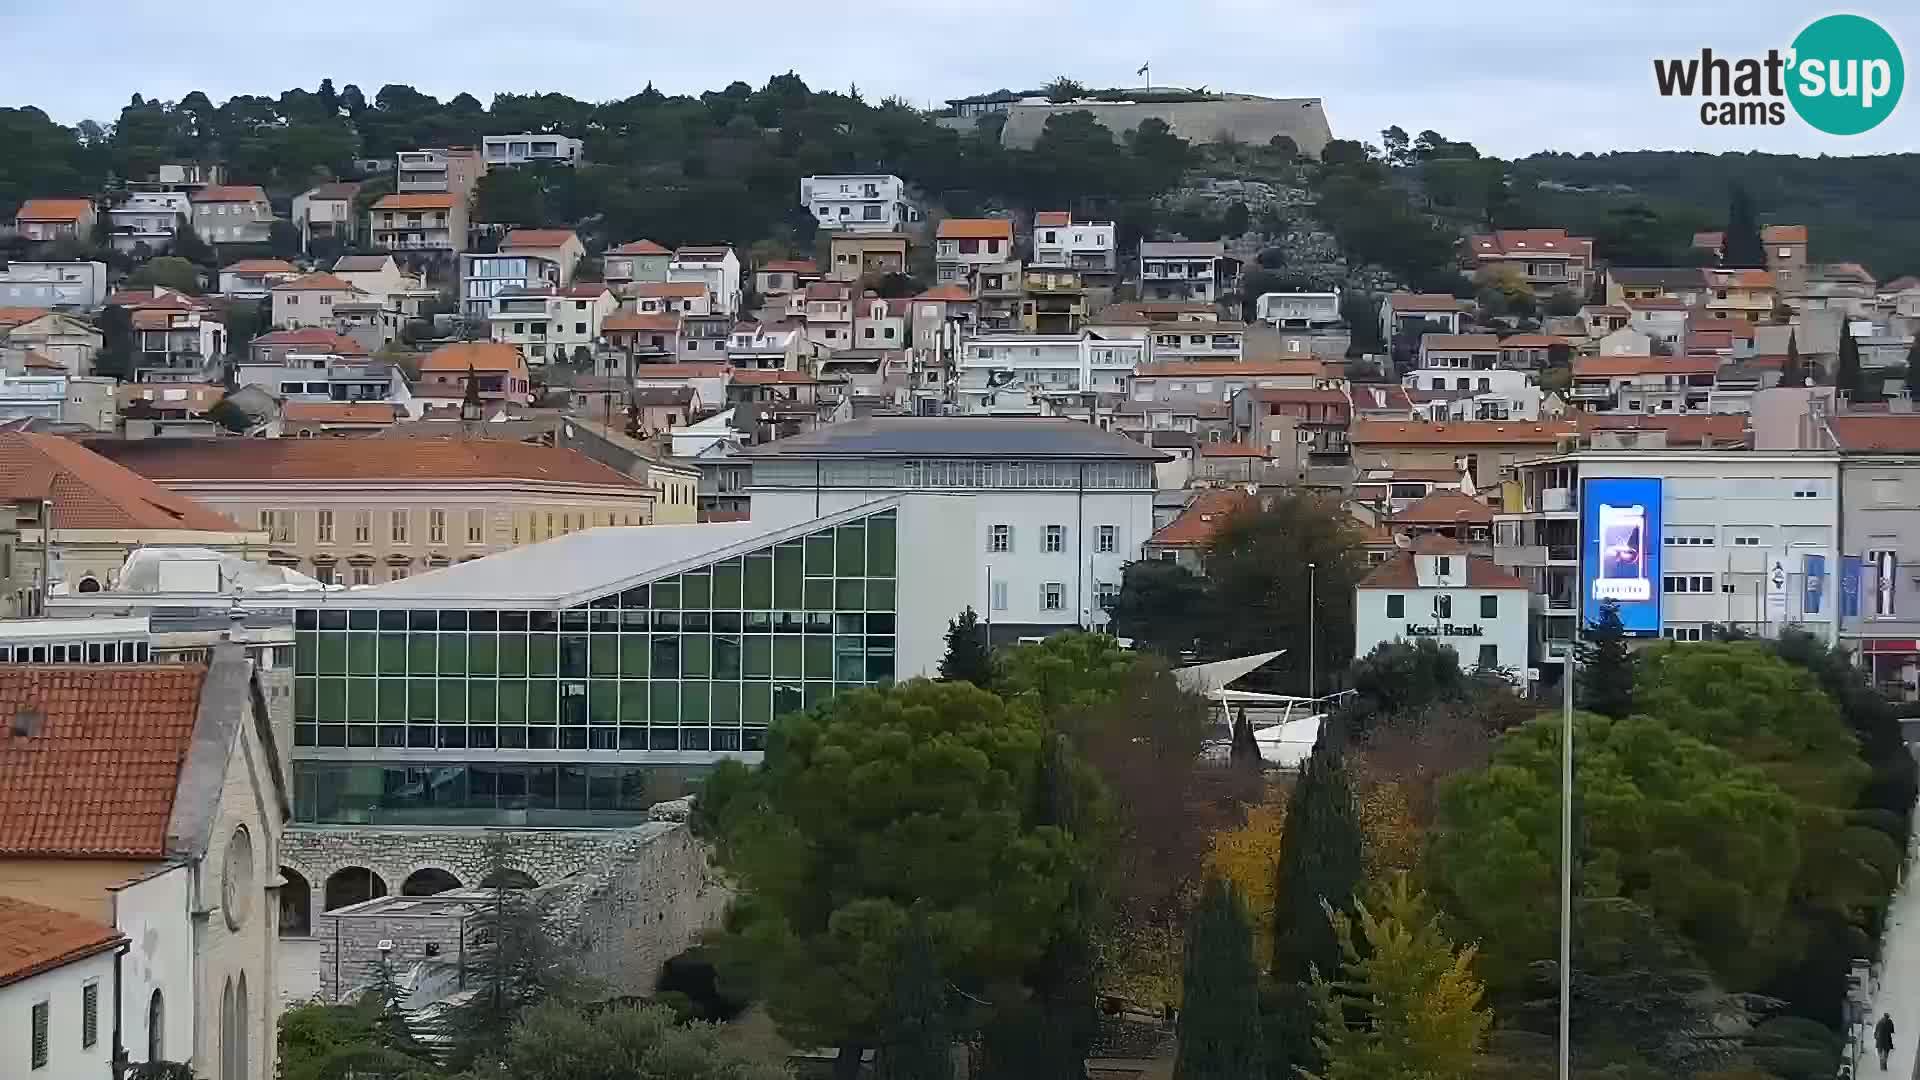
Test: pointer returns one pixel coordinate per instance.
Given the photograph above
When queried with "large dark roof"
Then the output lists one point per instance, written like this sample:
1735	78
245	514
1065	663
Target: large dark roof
958	436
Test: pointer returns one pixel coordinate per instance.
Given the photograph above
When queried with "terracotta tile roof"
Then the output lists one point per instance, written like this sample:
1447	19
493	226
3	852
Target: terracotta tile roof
1459	433
791	266
1460	342
1531	242
585	290
1402	301
537	238
949	293
1052	219
1249	369
1904	283
634	320
758	377
89	491
354	461
39	362
1301	396
19	316
1202	518
1702	323
1783	234
639	247
318	337
1711	240
1606	309
98	780
975	229
419	200
1377	396
1531	341
1598	367
337	412
1399	572
1446	508
317	283
687	289
1724	429
229	193
34	939
680	371
259	266
1709	341
478	355
1892	433
829	290
53	209
1232	450
337	190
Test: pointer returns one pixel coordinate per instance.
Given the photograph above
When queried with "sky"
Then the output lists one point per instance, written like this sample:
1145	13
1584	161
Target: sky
1513	79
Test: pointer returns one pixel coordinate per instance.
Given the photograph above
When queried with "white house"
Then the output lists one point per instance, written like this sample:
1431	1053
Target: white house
1439	590
1060	242
57	990
1190	271
527	148
858	202
1298	310
716	267
1170	342
81	285
254	279
309	300
561	247
1645	384
1041	374
326	213
232	214
151	218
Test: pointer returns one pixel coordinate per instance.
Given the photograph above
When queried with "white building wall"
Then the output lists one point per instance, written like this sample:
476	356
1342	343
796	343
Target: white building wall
156	914
60	989
1507	632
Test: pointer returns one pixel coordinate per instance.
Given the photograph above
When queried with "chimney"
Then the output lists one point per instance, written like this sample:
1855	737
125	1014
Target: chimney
26	722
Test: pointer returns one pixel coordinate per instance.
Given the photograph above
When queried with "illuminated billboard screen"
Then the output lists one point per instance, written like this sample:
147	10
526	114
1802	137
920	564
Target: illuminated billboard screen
1620	550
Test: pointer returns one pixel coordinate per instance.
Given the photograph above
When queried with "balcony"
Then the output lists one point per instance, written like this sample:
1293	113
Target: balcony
1592	392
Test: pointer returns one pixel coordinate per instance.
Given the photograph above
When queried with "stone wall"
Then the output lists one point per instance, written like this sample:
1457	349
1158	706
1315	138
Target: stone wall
1253	120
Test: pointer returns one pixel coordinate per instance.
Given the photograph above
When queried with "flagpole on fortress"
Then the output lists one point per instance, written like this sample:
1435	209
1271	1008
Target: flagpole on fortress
1147	70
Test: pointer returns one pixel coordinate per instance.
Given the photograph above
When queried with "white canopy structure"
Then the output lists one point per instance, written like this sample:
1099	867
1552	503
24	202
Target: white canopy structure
1207	678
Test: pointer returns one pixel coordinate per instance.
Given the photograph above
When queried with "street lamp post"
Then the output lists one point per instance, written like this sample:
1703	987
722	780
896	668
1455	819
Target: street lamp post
1566	856
1313	611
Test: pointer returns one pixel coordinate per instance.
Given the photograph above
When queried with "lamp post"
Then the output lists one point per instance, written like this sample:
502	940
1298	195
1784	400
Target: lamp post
1566	855
1313	611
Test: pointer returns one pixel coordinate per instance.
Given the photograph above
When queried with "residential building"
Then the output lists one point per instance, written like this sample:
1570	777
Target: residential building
1186	271
1621	431
254	279
640	260
1532	352
309	300
1039	374
828	314
546	325
1220	380
1447	513
1404	313
498	371
1785	246
527	148
671	297
55	337
718	268
1747	295
637	338
1176	342
1055	508
1547	259
177	341
484	276
86	402
277	348
232	214
858	257
186	175
561	247
425	223
1482	449
1460	377
325	213
1656	384
75	286
173	840
777	279
450	171
1186	539
1879	591
703	338
43	221
1441	591
311	419
1304	434
967	248
150	219
150	410
879	324
56	968
356	511
858	203
380	277
1091	248
320	377
1624	284
1299	310
1056	301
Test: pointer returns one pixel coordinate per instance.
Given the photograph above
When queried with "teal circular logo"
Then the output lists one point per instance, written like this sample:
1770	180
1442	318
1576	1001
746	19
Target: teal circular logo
1845	75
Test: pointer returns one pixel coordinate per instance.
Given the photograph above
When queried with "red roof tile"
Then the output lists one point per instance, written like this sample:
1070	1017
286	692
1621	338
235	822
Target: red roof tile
1892	433
1596	367
259	266
758	377
1783	234
1246	369
975	229
1401	301
417	200
478	355
1052	219
229	193
432	460
1721	429
683	289
317	283
1459	343
336	412
634	320
34	939
680	371
537	238
19	316
791	266
1202	518
1459	433
1399	572
1547	242
948	293
318	337
1446	508
90	492
639	247
98	780
53	209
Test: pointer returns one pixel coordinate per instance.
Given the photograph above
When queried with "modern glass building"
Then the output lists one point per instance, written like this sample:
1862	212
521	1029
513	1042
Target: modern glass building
578	681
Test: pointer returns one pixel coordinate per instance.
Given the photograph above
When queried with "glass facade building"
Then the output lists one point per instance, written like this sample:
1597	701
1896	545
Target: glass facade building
590	712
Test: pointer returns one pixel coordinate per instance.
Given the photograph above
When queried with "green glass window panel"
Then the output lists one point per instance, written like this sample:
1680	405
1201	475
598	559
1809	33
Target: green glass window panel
604	655
786	656
726	585
333	652
483	654
453	654
423	653
483	701
879	596
513	701
696	590
332	695
850	550
362	649
306	699
786	699
788	563
422	702
603	702
850	659
360	697
726	704
819	654
543	706
513	654
756	704
693	704
633	703
819	594
850	595
543	654
696	655
726	657
665	700
453	701
573	654
634	653
880	546
817	692
757	656
666	656
758	594
306	652
820	554
666	594
393	654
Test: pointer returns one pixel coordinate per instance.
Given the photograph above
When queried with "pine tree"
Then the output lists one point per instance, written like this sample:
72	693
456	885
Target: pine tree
1846	376
918	1044
1913	368
1219	1031
512	962
1319	867
967	656
188	245
1743	250
1792	371
1605	665
1246	749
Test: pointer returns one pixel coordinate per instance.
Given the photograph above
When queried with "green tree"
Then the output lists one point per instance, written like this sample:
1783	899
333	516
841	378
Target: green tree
1793	370
1742	248
188	245
229	416
169	270
1063	89
1563	301
1219	1033
1847	374
555	1041
918	1044
1320	867
116	343
1237	220
1162	606
1419	1001
325	1042
1246	749
1401	677
512	961
967	655
1258	570
1604	665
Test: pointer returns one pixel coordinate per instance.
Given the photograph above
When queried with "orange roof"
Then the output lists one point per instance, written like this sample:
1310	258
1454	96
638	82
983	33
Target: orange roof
791	266
1446	508
19	316
53	209
98	781
949	293
39	362
1399	572
1249	369
89	491
656	289
758	377
975	229
1682	429
829	290
229	193
537	238
1459	433
639	247
1052	219
1403	301
1712	240
259	266
355	461
1783	234
1891	433
1596	367
336	412
317	283
318	337
34	939
1547	242
1301	395
1202	518
478	355
422	200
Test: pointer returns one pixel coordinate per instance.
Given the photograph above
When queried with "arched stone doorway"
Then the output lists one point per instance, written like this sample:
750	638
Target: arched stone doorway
353	885
296	904
508	879
428	881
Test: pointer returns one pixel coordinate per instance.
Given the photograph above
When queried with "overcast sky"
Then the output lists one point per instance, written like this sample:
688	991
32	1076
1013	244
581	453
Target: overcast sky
1511	78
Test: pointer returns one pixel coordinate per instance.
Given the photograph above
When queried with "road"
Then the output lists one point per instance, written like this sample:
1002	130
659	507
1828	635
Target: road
1898	994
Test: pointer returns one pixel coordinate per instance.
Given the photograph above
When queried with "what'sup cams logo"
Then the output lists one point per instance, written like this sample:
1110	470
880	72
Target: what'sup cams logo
1842	75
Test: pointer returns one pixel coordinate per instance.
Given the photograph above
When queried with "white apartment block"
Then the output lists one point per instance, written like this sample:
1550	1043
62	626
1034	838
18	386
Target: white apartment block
1172	342
1059	242
151	218
1041	374
1298	311
858	202
530	149
716	267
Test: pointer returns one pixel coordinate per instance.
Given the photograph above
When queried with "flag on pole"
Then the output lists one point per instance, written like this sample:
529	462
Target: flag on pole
1143	69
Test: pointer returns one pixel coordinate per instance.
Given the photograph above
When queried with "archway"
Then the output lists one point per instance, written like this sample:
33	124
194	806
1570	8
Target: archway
156	1027
89	584
508	879
353	885
296	904
427	881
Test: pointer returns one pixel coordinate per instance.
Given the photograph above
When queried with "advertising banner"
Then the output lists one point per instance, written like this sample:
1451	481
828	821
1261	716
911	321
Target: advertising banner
1815	590
1620	550
1849	586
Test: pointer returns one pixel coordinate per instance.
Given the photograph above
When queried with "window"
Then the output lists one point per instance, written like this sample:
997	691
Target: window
1053	596
1681	633
1687	583
40	1022
363	526
1000	538
1806	493
476	526
997	597
323	526
398	573
1490	606
89	1015
1443	606
1489	656
278	525
1396	606
436	526
1056	539
399	524
362	575
1107	536
1687	541
1446	565
1746	541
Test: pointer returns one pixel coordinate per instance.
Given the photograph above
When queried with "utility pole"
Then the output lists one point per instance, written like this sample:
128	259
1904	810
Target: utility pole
1313	612
1566	855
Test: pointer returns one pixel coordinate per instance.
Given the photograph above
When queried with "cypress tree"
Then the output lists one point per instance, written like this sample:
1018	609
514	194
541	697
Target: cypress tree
1605	673
1913	368
918	1044
1319	867
1792	371
1743	250
1846	376
1219	1031
968	658
1245	751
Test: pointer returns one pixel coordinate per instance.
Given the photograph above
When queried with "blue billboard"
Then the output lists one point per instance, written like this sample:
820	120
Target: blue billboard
1620	550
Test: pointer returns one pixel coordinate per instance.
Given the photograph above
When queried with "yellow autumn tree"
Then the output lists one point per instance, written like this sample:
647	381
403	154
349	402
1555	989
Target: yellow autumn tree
1391	839
1247	857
